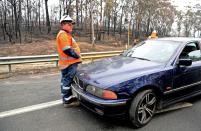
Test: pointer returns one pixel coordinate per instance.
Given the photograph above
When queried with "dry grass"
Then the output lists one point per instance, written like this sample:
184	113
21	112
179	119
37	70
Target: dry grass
46	47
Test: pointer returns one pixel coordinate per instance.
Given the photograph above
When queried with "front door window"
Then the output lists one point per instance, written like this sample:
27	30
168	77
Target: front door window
191	51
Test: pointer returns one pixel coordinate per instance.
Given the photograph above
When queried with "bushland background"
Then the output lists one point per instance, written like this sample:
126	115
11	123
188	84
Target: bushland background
29	27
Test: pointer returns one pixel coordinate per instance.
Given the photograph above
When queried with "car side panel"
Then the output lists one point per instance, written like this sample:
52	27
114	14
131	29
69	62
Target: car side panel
159	81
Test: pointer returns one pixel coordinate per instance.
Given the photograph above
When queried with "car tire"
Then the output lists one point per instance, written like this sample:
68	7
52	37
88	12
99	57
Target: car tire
142	108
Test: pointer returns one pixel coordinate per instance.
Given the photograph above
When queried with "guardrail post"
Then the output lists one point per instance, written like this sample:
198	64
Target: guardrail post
9	68
57	63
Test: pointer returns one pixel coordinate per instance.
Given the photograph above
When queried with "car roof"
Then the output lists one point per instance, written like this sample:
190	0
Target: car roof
180	39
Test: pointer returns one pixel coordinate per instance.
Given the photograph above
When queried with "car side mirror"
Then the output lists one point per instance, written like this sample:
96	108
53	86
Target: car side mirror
185	62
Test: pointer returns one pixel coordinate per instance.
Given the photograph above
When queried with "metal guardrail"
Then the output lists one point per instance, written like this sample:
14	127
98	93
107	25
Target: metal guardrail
52	58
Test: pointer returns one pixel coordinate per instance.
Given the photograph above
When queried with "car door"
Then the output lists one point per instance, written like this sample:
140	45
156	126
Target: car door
187	79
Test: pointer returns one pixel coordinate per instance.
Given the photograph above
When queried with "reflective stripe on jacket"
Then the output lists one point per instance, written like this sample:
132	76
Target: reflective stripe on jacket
65	41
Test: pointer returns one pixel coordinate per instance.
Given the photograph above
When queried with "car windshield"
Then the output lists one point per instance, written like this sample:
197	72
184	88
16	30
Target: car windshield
158	51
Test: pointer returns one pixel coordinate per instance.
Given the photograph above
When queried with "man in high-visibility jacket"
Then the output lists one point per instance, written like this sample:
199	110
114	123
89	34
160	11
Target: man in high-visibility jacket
153	35
69	58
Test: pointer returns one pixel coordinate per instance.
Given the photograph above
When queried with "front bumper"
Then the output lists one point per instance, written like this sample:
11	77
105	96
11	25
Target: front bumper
98	105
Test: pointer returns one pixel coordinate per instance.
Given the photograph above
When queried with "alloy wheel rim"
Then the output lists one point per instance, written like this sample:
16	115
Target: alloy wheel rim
146	108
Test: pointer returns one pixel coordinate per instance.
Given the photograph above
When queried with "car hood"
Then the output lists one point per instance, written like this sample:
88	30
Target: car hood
107	72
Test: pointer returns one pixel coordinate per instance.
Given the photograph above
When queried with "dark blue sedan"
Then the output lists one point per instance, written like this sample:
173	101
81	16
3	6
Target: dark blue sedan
150	76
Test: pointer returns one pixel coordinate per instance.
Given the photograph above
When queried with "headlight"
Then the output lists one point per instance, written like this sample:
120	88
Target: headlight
106	94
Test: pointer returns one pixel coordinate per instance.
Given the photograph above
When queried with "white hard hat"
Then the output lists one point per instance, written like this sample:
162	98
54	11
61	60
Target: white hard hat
154	31
67	18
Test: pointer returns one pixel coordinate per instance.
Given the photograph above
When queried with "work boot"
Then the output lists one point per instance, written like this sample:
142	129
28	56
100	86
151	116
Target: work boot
73	102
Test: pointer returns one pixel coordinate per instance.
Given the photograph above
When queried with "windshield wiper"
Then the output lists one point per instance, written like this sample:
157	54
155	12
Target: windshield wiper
142	58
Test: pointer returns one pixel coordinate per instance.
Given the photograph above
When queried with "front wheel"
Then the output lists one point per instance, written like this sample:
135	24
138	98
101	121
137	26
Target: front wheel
142	108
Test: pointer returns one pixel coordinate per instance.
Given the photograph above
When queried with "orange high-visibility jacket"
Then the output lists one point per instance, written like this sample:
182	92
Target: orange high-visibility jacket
65	41
153	36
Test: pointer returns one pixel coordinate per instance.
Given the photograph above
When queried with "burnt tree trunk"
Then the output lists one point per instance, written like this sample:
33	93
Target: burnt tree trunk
77	12
47	17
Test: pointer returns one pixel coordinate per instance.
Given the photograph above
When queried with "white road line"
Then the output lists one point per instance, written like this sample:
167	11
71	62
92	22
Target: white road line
29	108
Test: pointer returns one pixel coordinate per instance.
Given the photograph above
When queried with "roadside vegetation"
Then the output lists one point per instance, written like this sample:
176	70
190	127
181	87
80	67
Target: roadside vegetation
29	27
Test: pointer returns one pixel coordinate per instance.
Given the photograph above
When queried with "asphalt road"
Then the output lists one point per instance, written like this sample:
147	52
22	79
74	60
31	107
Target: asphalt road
22	91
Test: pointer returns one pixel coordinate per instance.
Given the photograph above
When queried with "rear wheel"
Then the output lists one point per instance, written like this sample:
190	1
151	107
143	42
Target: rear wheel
142	108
